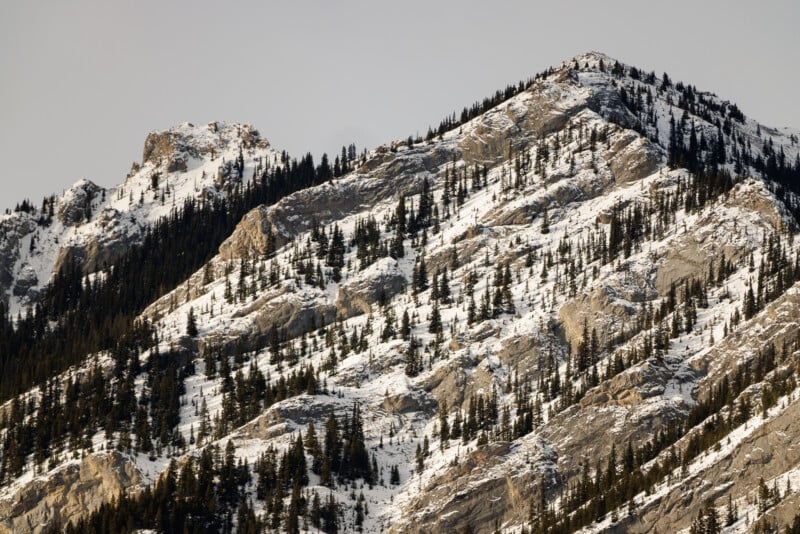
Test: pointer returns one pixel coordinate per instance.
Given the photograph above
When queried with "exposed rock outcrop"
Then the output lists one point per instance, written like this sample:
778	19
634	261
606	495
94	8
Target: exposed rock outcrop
607	308
26	279
252	237
378	283
464	496
632	157
290	313
543	110
68	494
173	147
766	453
118	231
75	206
13	228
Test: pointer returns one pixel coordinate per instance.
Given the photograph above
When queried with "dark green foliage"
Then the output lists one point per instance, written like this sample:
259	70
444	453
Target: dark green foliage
707	521
367	241
413	359
335	257
191	324
345	456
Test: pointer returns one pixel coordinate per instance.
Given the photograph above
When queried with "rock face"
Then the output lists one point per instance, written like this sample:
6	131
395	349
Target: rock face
26	279
465	496
75	207
606	309
284	310
251	237
731	234
295	413
633	157
70	493
768	452
13	228
382	281
541	111
172	148
117	231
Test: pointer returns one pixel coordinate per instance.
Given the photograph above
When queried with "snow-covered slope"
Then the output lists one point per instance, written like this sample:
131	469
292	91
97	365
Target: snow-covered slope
95	226
584	295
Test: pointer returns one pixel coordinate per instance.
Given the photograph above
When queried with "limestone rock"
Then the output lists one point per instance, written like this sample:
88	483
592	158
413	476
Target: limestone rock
283	416
512	127
117	232
410	402
690	253
75	206
633	157
68	494
768	452
463	495
251	236
380	281
291	314
13	228
606	308
173	148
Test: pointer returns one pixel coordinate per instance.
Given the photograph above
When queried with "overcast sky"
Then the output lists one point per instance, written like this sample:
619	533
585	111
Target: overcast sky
82	83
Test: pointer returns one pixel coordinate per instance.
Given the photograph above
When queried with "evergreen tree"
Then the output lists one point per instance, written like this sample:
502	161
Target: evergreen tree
191	323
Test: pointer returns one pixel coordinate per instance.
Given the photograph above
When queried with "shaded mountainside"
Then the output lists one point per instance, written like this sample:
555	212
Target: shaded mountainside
570	309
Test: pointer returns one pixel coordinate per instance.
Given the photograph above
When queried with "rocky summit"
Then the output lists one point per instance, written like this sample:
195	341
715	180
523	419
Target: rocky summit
572	308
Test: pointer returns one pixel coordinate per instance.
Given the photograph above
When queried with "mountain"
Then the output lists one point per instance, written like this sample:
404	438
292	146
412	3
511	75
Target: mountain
95	226
572	308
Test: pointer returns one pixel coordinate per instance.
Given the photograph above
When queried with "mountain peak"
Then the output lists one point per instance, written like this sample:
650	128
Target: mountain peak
592	58
186	139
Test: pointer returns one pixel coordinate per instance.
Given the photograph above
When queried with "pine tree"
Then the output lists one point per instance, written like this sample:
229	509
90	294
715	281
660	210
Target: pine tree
191	323
444	427
413	364
731	513
749	308
420	276
435	326
405	326
332	452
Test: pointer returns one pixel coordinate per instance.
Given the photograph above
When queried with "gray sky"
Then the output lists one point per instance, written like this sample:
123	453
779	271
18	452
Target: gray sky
82	83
